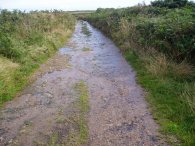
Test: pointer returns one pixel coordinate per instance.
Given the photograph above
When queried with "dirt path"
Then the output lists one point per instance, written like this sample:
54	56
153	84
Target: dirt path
47	113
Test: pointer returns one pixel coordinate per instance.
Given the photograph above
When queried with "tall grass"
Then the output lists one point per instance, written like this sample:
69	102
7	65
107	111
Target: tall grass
171	96
159	43
26	40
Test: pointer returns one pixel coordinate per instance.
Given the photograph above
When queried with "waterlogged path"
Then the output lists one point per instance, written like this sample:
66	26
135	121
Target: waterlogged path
46	112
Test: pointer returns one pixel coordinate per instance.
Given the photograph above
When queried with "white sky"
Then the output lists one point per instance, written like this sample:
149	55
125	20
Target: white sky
67	4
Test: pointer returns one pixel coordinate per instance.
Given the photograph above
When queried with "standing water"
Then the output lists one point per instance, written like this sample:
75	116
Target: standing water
118	115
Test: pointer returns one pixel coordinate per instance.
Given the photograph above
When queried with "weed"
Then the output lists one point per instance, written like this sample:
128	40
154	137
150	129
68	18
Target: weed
72	129
181	70
53	140
83	106
86	49
85	30
157	65
78	134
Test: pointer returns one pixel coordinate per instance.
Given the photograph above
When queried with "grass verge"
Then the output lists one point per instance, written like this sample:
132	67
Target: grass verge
18	78
169	100
160	48
32	39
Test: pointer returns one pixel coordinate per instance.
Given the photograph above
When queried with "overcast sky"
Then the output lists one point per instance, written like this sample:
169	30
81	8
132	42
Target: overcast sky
67	4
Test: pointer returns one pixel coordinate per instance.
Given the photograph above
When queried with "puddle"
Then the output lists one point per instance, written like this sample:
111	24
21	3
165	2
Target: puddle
116	101
63	51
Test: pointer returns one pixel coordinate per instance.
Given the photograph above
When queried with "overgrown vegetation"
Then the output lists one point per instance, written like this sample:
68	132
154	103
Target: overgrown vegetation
86	49
85	29
159	41
26	40
83	106
79	135
171	4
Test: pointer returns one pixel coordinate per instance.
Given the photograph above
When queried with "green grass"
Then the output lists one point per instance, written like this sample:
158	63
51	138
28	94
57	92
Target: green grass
28	40
83	106
53	140
169	108
86	49
75	122
78	133
170	31
85	30
159	43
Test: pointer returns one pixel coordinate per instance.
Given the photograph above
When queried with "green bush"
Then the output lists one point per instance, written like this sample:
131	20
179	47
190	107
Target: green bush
159	42
26	40
170	31
170	3
19	30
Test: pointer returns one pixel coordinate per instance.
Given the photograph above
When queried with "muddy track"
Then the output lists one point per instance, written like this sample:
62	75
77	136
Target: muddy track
118	113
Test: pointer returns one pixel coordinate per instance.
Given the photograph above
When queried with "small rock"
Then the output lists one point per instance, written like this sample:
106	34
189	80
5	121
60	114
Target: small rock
11	140
22	131
105	99
1	139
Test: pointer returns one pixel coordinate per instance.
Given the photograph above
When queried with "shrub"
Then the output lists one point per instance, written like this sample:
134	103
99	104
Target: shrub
159	42
170	3
27	39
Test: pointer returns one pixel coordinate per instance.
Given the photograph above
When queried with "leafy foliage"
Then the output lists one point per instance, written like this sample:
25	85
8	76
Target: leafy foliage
170	3
159	41
170	31
26	40
19	30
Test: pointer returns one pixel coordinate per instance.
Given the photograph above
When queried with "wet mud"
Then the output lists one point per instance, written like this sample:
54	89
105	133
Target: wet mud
118	113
